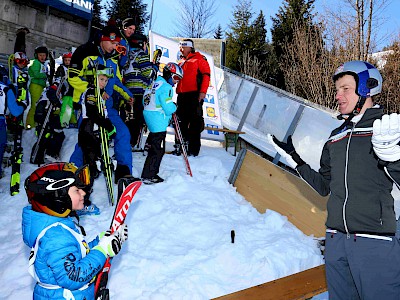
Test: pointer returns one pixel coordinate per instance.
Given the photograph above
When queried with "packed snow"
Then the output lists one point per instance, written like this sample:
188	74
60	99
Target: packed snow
179	244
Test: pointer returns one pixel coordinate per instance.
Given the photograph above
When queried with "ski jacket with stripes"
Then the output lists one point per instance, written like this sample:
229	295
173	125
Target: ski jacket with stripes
359	189
79	68
196	74
137	71
60	266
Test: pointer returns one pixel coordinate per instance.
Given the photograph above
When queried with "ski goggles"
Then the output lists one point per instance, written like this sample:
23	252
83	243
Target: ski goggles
121	49
176	77
109	72
82	176
21	61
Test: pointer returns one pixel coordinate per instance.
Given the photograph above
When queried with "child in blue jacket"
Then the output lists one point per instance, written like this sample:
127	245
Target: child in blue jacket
9	105
61	261
158	110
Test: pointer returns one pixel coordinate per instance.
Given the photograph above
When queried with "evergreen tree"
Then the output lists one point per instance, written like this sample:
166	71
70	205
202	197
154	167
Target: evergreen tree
122	9
238	36
97	21
293	12
218	35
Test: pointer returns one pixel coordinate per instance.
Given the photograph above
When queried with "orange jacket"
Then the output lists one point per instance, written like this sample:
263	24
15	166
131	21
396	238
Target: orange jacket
196	74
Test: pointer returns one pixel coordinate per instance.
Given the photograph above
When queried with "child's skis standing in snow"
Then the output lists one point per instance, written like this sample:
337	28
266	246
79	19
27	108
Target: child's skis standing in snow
61	261
158	110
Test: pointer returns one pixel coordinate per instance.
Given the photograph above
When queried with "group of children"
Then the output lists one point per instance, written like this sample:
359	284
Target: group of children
58	191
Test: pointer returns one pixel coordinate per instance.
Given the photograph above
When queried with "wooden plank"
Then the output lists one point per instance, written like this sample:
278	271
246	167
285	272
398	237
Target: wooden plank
266	186
224	130
302	285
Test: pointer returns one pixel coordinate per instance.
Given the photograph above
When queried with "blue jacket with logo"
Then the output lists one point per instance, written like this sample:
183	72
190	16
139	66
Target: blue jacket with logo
158	105
59	261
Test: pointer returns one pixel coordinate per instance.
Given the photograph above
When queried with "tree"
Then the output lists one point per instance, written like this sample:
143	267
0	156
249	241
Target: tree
238	35
390	97
354	26
122	9
195	18
97	21
218	34
292	11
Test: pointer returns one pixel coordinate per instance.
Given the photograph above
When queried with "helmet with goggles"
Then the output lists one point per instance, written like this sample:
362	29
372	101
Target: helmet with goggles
21	58
172	70
47	187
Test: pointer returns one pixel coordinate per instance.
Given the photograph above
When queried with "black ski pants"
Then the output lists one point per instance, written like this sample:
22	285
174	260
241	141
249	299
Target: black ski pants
191	121
156	152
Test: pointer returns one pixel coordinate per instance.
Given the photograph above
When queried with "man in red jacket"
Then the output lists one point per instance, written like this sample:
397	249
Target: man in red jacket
191	90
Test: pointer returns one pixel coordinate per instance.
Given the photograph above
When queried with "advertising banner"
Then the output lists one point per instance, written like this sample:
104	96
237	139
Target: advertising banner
80	8
171	53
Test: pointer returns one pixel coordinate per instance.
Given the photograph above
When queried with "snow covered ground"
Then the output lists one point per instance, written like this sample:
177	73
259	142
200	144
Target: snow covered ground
179	244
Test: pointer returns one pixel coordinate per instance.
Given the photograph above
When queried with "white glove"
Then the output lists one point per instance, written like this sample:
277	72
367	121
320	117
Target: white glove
289	159
110	244
386	136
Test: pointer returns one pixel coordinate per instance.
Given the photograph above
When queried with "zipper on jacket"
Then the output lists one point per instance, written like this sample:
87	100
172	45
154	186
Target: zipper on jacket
346	183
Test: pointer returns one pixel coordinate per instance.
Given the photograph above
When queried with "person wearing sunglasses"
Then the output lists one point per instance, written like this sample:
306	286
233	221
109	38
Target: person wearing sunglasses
158	110
61	261
191	90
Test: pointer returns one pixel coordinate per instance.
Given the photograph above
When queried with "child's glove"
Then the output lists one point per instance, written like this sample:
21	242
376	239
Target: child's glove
386	137
22	80
110	128
110	244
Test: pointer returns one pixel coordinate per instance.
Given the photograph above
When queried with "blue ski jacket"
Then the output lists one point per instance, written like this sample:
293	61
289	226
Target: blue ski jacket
158	105
64	265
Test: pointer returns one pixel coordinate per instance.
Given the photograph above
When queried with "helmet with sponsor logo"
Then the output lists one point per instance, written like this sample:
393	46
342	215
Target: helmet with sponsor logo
47	187
368	78
172	70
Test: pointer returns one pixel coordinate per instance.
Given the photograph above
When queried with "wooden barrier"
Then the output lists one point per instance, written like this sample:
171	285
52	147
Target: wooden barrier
302	285
230	136
267	186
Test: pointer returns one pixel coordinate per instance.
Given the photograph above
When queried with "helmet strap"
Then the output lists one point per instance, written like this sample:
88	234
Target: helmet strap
356	110
359	105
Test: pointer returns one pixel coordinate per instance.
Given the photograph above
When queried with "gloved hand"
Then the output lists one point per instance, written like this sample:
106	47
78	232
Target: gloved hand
286	150
110	128
52	96
386	136
110	244
22	80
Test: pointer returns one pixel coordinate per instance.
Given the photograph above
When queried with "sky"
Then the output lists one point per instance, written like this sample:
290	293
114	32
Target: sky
165	13
179	244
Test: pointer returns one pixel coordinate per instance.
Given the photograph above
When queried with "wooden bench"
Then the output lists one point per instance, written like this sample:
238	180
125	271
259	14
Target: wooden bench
302	285
267	186
230	136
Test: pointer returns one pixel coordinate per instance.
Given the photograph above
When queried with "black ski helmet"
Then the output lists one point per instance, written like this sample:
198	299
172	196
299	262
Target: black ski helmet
47	187
137	40
4	75
41	49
